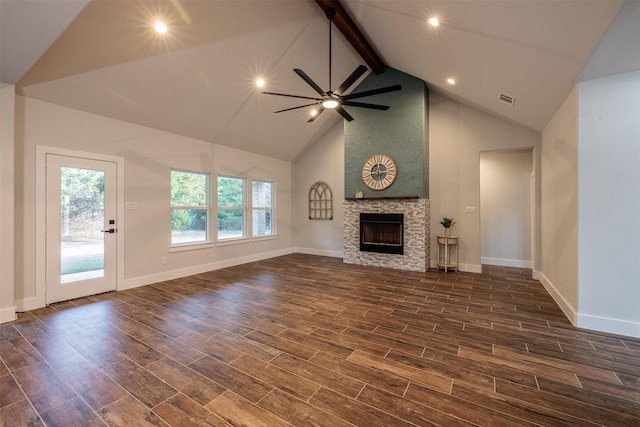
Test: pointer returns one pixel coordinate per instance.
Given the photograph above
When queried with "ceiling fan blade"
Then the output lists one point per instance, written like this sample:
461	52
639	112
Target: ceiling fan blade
292	96
343	113
365	105
312	118
351	79
310	82
295	108
371	92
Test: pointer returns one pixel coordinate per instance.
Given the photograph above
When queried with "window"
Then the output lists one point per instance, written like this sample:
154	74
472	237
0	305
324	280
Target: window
190	207
262	208
231	207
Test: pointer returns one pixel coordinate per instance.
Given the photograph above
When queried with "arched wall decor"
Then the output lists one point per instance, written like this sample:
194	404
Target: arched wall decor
320	201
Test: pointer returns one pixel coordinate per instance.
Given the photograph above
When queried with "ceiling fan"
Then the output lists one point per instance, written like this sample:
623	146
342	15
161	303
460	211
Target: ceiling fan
335	100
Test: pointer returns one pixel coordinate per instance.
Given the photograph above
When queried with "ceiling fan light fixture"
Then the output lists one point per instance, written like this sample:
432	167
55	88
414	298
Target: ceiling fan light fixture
330	103
334	100
160	27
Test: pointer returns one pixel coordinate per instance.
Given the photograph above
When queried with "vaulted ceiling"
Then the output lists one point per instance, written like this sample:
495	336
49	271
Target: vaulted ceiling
103	57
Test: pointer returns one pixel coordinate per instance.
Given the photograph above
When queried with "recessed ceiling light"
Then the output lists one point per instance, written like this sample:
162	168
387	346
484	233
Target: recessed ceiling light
451	81
330	103
260	83
160	27
434	22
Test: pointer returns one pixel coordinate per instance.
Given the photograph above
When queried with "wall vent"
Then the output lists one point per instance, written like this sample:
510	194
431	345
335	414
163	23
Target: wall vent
507	99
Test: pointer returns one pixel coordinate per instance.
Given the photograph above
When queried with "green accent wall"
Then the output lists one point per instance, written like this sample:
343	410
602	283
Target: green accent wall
402	132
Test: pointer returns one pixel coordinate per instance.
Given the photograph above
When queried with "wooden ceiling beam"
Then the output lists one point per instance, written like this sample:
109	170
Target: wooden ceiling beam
354	36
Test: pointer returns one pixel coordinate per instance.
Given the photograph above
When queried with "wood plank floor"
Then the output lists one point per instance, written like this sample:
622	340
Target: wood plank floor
309	341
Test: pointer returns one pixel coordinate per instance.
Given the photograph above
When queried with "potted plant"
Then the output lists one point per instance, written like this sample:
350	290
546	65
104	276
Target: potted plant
447	223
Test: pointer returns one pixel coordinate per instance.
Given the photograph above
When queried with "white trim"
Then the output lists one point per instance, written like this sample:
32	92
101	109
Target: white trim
609	325
198	269
319	252
521	263
191	246
467	268
27	304
41	154
7	314
564	305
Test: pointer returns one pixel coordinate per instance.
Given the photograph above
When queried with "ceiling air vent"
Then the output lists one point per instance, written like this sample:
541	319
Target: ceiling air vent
507	99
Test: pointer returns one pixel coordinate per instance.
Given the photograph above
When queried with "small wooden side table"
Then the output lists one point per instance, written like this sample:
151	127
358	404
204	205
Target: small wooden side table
445	244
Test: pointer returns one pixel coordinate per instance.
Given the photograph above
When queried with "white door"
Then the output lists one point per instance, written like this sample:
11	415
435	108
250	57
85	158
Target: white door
81	229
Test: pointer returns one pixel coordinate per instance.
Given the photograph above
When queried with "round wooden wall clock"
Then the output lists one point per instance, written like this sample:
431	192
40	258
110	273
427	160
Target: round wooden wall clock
379	172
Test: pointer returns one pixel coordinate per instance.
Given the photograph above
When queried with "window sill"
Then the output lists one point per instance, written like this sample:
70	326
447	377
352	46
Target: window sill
239	240
191	246
227	242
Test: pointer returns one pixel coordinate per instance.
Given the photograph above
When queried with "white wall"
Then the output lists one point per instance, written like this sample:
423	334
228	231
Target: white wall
609	203
505	206
7	184
457	135
149	155
559	230
323	161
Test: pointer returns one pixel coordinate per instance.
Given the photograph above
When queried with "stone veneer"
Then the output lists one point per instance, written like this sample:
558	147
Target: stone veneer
417	218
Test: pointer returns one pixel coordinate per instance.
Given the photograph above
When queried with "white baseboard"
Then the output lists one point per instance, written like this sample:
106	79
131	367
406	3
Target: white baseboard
28	304
197	269
564	305
7	314
470	268
319	252
467	268
506	262
606	324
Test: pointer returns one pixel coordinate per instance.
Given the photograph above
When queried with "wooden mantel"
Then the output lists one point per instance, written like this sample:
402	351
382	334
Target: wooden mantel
357	199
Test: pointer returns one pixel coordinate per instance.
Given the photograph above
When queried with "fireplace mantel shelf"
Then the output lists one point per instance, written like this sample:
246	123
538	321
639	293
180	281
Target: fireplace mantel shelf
357	199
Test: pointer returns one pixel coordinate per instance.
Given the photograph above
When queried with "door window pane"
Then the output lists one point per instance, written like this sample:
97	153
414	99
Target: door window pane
82	222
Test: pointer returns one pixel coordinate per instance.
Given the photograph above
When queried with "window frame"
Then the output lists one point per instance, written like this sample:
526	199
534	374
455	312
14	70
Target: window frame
271	209
208	208
245	222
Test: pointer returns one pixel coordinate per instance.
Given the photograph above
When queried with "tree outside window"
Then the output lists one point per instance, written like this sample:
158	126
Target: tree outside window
231	207
190	207
262	208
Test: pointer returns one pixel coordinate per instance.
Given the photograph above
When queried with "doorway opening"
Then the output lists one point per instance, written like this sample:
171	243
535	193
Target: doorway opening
79	209
507	190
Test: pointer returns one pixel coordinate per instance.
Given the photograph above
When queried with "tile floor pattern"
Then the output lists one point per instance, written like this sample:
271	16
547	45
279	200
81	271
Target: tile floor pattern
309	341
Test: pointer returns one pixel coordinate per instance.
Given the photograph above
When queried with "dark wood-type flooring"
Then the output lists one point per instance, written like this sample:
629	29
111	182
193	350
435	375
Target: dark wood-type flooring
309	341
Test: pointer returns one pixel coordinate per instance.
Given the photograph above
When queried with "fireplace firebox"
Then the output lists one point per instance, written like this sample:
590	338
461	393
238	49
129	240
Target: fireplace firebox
382	233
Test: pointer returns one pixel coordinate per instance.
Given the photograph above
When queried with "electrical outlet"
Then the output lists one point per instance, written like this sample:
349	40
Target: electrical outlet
164	260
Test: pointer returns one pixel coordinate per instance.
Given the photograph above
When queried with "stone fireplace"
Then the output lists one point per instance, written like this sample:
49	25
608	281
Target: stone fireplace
401	134
415	229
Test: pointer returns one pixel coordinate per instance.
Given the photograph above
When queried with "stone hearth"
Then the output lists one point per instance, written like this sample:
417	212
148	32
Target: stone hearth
417	218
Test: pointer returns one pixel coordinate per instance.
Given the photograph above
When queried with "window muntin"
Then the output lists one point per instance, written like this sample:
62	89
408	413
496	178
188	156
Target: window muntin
190	207
262	198
231	207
